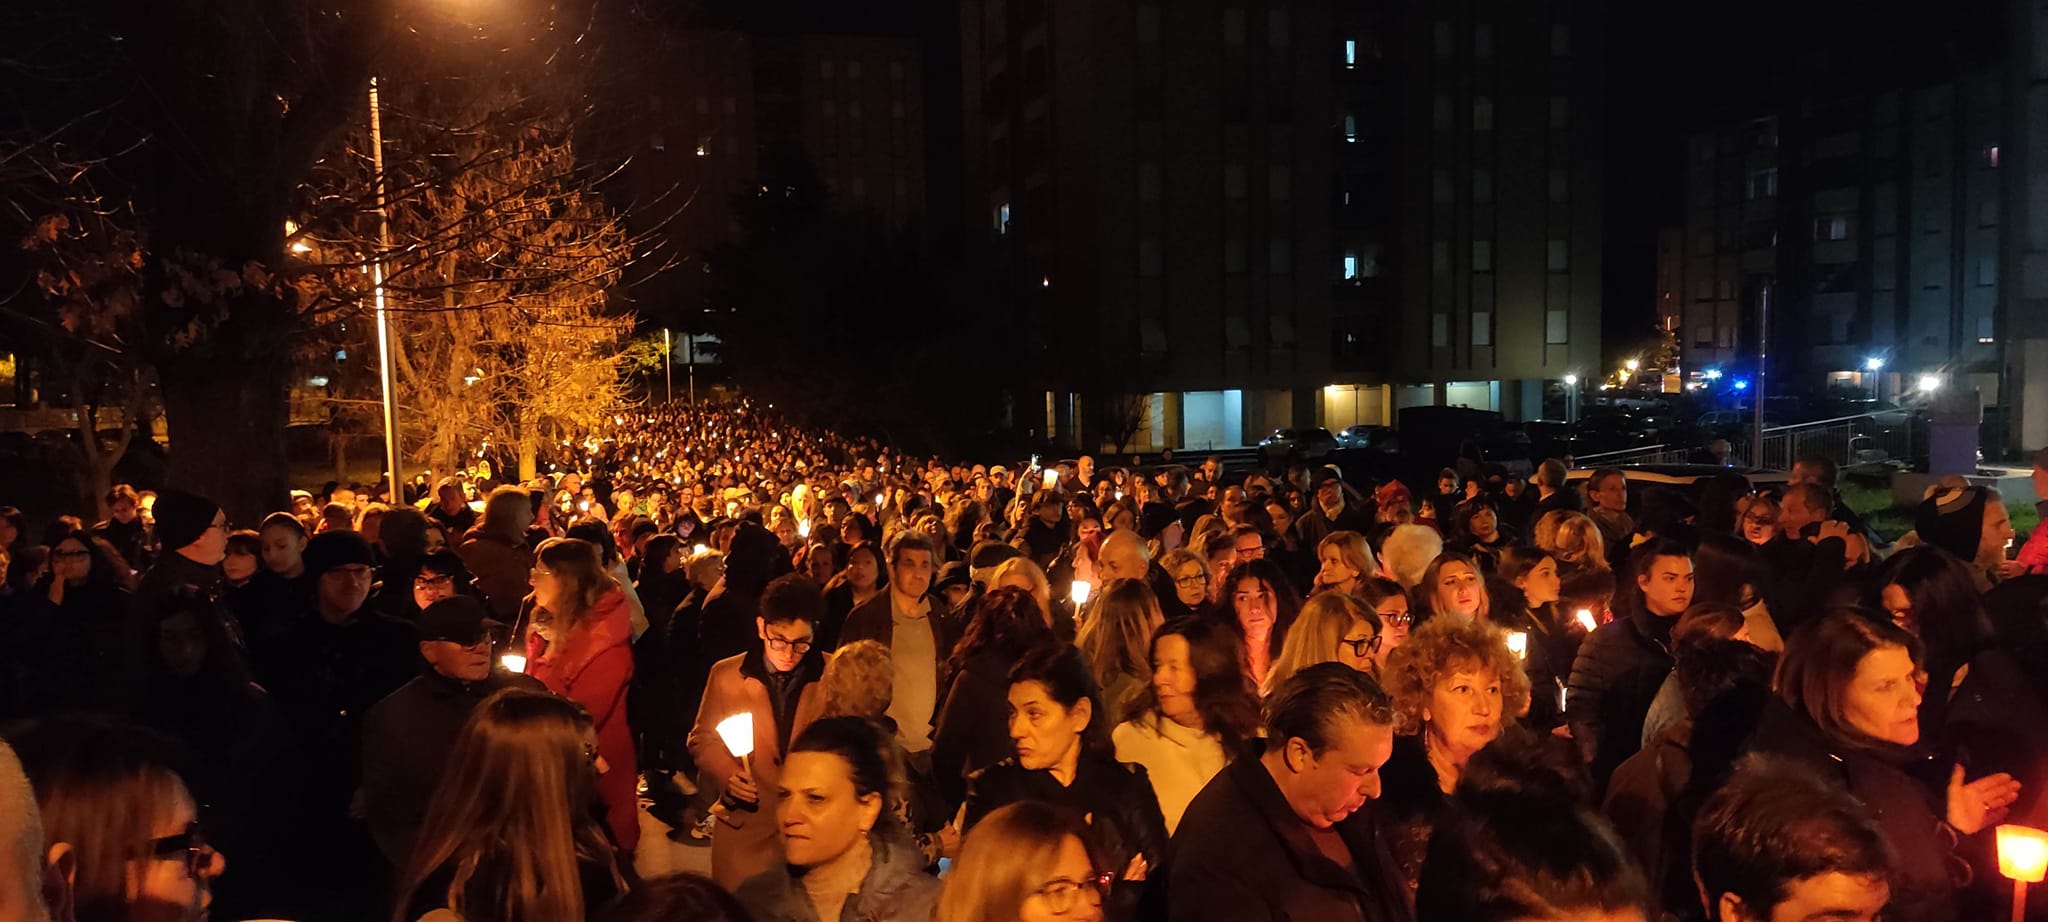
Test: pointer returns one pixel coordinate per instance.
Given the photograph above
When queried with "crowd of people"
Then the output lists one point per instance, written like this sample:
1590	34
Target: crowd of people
879	687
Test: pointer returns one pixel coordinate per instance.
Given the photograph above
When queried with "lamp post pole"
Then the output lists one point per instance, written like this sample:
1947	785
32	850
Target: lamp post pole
1763	352
668	364
387	366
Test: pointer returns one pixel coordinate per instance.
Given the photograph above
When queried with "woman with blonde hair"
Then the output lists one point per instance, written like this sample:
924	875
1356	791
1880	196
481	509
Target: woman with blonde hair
1116	640
581	649
1026	862
1022	573
508	835
1455	686
113	802
1573	540
1345	561
1453	587
1333	627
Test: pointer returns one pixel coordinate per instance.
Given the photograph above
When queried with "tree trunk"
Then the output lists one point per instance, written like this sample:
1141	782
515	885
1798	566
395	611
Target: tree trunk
227	427
529	463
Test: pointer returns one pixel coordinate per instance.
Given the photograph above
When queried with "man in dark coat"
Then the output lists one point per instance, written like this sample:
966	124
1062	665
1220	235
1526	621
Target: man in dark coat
1287	831
1622	664
408	735
325	671
194	534
1331	511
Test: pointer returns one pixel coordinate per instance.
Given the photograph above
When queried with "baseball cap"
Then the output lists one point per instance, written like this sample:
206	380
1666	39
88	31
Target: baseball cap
458	619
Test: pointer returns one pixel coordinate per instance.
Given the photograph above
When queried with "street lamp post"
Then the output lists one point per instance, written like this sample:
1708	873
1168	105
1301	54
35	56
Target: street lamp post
668	364
1571	398
1871	367
387	366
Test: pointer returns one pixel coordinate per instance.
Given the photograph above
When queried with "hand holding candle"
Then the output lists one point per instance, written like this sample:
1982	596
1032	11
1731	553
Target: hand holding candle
737	732
1585	619
1080	591
1518	644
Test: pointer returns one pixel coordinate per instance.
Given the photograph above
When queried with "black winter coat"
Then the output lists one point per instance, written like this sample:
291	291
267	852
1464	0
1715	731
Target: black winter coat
1117	797
972	731
1900	788
1617	673
1241	855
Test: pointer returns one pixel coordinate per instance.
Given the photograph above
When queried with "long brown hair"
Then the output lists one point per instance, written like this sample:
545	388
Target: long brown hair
1223	693
580	565
1118	636
513	799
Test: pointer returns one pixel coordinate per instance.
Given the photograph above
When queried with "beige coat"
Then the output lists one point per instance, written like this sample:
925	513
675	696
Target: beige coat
745	843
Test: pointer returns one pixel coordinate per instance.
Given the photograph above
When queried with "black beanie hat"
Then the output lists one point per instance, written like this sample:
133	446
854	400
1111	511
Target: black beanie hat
1952	517
182	518
330	550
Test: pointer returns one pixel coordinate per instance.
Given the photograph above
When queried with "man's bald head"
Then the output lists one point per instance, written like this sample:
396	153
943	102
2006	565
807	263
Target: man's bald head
1122	556
21	844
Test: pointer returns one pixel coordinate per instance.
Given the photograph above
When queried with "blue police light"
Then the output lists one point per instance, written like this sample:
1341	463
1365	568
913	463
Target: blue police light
1742	384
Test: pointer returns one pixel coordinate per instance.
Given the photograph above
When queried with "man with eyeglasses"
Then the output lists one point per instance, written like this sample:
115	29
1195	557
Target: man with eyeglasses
771	683
408	735
1287	830
193	532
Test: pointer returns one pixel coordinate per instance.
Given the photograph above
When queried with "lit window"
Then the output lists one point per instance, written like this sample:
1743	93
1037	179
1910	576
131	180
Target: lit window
1350	265
1351	52
1556	327
1003	218
1991	156
1831	227
1350	129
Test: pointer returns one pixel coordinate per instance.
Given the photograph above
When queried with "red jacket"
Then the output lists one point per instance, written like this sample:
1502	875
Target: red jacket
592	666
2034	553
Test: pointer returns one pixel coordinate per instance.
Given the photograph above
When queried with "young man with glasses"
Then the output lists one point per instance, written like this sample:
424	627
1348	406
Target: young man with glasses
770	684
408	735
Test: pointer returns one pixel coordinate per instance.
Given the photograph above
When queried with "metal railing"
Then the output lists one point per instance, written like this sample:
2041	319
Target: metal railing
1850	441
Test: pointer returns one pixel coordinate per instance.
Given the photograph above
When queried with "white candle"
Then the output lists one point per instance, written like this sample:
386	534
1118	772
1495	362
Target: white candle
1518	644
1585	619
738	733
513	662
1080	592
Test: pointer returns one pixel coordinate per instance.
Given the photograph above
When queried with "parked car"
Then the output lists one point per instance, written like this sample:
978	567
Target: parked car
1606	433
1686	478
1290	444
1377	438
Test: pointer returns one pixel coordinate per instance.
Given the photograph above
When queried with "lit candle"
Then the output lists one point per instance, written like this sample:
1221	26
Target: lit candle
1585	619
513	662
803	529
1080	592
738	733
701	548
1051	479
2022	857
1518	644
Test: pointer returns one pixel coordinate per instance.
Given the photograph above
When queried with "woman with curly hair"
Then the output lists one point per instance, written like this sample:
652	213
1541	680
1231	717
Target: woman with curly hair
1455	685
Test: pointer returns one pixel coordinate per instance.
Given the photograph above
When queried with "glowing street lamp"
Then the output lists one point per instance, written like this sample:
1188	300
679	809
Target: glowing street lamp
2023	858
1930	383
1631	364
1873	363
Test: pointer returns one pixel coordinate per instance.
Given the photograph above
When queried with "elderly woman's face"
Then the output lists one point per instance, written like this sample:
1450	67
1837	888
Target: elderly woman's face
1464	709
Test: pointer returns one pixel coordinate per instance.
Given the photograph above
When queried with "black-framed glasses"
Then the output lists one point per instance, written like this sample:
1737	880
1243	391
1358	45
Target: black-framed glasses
1195	579
189	847
783	645
1064	895
1363	646
423	581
